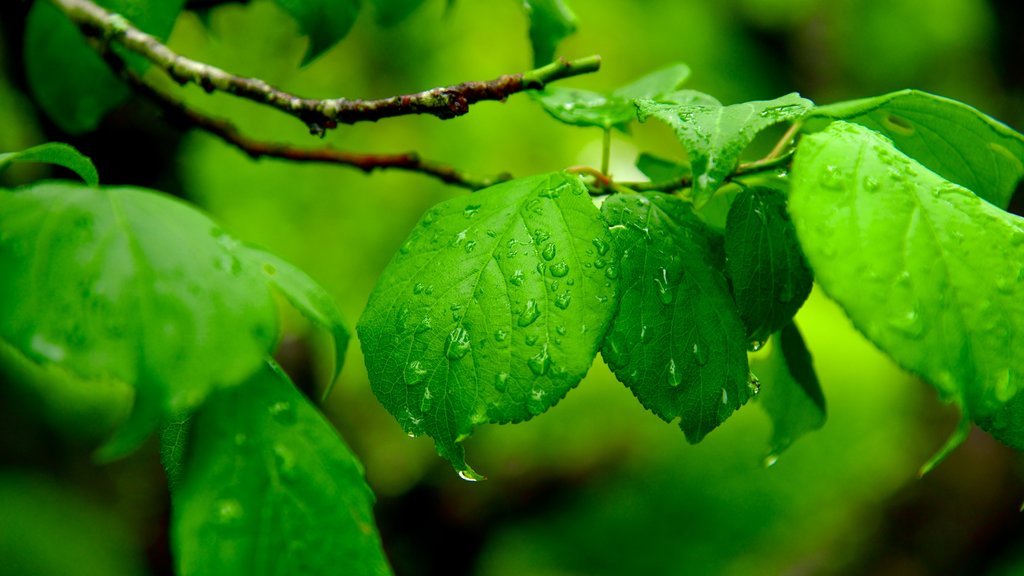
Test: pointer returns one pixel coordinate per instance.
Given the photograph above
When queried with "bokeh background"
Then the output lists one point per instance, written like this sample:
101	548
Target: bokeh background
597	485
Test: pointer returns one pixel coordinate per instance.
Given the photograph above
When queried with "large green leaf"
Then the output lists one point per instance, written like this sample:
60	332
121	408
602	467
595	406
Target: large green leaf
612	109
551	21
130	285
268	487
677	340
956	141
926	269
716	135
763	259
790	392
492	310
325	22
69	80
55	153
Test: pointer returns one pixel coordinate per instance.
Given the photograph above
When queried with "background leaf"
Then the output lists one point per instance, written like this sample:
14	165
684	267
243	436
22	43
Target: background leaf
70	81
770	279
173	445
956	141
551	21
268	487
676	341
55	153
659	169
927	270
716	136
492	310
325	22
393	12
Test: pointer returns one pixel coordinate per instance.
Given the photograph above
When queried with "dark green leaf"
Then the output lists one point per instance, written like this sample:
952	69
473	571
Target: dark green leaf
769	276
492	310
325	22
677	340
70	81
715	135
268	487
307	297
613	109
173	443
551	21
131	285
951	138
392	12
55	153
661	170
925	269
790	392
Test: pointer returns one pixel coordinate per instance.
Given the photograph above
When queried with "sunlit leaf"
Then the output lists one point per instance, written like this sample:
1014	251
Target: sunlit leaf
325	22
492	310
790	392
55	153
659	169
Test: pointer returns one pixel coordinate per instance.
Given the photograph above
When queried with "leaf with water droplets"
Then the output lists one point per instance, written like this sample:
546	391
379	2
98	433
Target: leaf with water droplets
677	340
770	279
954	140
498	350
268	487
129	284
608	110
790	392
916	264
551	21
716	135
55	153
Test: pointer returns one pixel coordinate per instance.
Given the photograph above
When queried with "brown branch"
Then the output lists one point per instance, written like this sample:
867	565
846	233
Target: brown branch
743	169
445	102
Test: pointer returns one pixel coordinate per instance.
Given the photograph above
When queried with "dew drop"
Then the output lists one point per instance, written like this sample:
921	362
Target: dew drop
871	184
616	350
500	335
561	330
531	339
663	288
753	385
283	412
549	251
559	270
229	510
471	210
600	263
725	396
833	178
535	401
701	351
770	460
457	343
529	314
427	401
470	245
755	345
601	245
540	362
285	461
415	373
406	248
469	476
675	375
517	277
908	323
563	299
501	381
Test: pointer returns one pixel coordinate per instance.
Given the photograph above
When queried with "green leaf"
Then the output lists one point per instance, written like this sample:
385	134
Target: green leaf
551	21
715	135
612	109
69	80
956	141
325	22
128	284
55	153
925	269
790	392
393	12
769	276
173	443
268	487
676	341
661	170
307	297
491	311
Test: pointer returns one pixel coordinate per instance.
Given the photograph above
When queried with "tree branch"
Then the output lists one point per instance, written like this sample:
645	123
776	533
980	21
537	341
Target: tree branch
743	169
444	102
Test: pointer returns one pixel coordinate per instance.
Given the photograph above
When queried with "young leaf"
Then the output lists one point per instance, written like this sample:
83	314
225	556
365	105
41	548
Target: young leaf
677	341
492	310
551	21
306	296
660	170
716	135
769	276
393	12
956	141
790	392
69	80
609	110
55	153
325	22
268	487
925	269
128	284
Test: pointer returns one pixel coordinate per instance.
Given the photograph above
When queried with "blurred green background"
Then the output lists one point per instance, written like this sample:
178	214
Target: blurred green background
597	485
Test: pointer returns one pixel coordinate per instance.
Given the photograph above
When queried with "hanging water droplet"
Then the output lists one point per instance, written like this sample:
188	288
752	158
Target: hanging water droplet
675	375
770	460
517	278
549	251
833	178
500	335
283	412
664	290
539	362
753	385
529	314
469	476
229	510
909	323
415	373
559	270
501	381
601	245
457	343
755	345
563	299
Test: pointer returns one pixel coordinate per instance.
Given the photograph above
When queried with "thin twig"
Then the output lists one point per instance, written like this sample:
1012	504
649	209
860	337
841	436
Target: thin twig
444	102
783	142
744	169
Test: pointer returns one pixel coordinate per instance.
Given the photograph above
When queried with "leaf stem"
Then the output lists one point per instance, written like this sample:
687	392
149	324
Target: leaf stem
786	139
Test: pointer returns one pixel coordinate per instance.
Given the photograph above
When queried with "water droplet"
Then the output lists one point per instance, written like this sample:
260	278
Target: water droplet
1003	386
470	245
406	248
643	333
561	330
424	325
415	373
600	263
601	245
616	350
540	362
833	178
725	396
535	401
755	345
285	461
229	510
469	476
457	343
675	375
611	272
517	278
500	335
501	381
871	184
753	385
529	314
471	210
701	350
531	339
427	401
549	251
663	288
770	460
283	412
909	323
559	270
563	299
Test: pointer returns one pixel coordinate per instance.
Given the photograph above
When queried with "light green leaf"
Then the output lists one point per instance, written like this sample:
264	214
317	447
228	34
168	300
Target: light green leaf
307	297
769	276
676	341
790	392
613	109
925	269
55	153
69	80
325	22
393	12
551	21
268	487
716	136
130	285
659	169
492	310
956	141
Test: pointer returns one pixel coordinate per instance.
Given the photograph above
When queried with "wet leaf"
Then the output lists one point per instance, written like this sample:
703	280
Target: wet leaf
790	392
55	153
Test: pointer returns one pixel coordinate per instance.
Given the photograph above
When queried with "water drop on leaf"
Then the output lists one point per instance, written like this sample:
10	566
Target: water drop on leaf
457	343
675	376
549	252
562	300
559	270
283	412
415	373
529	314
539	362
